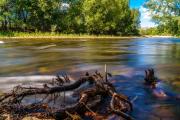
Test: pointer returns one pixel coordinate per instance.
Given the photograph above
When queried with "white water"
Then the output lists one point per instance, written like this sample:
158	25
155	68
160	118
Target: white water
7	83
1	42
34	78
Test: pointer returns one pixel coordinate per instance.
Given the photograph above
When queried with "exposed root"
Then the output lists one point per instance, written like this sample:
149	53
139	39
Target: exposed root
12	103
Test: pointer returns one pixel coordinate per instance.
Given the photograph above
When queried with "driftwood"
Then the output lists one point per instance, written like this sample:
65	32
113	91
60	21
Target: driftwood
11	103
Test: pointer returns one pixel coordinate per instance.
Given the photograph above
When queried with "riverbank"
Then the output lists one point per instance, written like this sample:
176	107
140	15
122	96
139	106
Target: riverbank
83	37
40	35
160	36
71	37
47	35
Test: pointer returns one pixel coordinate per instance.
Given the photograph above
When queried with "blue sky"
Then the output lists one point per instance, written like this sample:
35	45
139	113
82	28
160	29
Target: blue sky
145	15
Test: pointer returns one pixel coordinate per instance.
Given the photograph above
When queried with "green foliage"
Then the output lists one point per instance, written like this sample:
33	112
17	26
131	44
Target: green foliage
135	17
109	17
73	21
166	14
149	31
69	16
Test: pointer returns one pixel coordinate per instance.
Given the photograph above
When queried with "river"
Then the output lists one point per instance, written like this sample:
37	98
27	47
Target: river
28	60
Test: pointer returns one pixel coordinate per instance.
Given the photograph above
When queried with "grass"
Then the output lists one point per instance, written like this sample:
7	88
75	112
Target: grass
54	35
26	35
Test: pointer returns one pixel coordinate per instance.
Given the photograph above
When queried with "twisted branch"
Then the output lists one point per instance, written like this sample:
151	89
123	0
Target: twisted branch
10	103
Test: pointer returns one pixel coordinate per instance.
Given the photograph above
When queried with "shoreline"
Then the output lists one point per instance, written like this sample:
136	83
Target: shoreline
84	37
71	37
160	36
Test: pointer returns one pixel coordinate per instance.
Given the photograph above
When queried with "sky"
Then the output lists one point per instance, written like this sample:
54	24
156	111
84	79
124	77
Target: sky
145	15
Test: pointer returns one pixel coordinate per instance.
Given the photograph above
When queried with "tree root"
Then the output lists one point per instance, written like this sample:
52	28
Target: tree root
11	103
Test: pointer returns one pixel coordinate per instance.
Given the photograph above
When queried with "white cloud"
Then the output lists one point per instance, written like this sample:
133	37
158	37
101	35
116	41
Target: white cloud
146	18
145	14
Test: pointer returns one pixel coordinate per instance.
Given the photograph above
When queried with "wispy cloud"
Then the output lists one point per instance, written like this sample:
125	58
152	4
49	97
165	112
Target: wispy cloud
145	14
146	18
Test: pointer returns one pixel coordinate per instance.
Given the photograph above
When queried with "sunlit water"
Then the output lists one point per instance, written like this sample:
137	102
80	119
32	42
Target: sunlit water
36	61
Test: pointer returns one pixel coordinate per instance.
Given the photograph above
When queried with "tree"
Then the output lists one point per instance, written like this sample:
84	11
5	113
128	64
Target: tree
5	14
69	16
73	21
106	17
135	17
43	14
166	14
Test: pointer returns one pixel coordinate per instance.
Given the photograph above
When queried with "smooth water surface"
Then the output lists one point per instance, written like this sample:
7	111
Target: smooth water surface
126	60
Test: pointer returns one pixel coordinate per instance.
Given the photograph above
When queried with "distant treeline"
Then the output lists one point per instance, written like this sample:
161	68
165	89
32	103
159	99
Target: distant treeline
166	14
159	30
112	17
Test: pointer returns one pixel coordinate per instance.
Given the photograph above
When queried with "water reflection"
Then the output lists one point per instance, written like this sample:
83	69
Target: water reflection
156	51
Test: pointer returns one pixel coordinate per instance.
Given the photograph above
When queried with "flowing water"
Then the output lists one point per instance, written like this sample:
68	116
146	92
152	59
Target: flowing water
33	61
